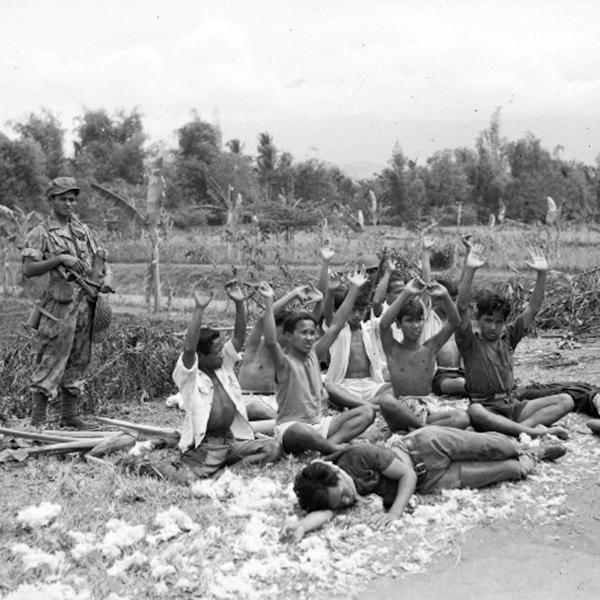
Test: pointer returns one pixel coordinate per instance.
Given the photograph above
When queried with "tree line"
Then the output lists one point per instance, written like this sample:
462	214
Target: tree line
207	178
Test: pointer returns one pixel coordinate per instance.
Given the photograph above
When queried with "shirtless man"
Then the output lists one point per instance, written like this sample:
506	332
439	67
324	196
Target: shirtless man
355	374
449	377
411	362
301	425
215	431
488	356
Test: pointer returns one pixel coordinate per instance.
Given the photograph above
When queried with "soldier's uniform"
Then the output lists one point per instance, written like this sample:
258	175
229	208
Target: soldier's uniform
65	325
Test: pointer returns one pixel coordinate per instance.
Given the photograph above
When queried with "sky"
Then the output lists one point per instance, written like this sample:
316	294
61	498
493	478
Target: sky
342	81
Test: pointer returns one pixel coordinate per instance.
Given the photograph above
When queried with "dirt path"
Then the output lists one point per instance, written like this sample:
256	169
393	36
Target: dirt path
514	559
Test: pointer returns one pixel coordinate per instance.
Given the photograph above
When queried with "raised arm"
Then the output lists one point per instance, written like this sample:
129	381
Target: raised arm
427	243
270	332
333	285
327	253
413	288
436	290
241	314
539	264
382	287
473	261
193	331
356	280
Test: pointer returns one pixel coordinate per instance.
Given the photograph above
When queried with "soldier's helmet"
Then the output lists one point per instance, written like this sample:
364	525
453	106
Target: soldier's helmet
61	185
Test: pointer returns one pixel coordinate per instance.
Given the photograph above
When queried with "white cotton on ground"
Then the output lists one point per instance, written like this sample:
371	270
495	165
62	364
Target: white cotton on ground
142	448
34	558
121	566
47	591
38	516
85	543
120	535
171	523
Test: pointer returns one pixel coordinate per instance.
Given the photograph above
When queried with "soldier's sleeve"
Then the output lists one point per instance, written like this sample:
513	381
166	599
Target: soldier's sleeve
36	244
91	239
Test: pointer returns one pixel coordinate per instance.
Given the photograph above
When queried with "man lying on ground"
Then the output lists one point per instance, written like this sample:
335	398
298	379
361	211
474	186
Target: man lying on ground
300	393
215	431
411	362
488	357
427	460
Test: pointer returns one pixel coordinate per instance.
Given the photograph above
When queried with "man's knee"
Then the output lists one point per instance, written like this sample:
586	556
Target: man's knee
477	415
461	419
366	414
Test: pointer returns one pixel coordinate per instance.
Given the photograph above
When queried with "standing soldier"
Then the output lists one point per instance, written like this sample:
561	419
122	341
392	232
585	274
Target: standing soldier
64	248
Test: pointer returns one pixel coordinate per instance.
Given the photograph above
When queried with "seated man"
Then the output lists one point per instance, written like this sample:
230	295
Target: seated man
427	460
354	376
411	362
488	357
215	431
300	393
449	377
257	373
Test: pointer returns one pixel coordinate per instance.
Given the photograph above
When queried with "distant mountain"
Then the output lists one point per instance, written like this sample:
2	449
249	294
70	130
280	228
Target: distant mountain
362	169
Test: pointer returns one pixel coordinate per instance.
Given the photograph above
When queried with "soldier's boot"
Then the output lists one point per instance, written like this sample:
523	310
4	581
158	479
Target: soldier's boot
68	415
39	404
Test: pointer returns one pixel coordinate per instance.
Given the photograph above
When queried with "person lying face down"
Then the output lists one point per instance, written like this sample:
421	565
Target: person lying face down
427	460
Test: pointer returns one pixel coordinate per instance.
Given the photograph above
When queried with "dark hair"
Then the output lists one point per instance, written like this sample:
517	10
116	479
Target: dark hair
289	325
310	486
450	286
489	302
412	309
206	339
281	316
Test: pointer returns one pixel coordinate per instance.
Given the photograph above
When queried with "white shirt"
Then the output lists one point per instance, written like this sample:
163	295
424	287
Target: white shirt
196	389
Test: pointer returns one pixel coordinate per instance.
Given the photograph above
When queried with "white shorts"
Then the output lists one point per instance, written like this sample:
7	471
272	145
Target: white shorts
322	428
364	387
421	406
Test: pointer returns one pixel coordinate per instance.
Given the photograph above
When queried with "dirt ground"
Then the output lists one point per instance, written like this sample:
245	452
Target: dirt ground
518	558
515	557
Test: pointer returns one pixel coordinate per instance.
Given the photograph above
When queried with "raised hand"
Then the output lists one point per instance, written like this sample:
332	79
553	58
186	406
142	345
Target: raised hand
466	242
436	290
327	252
234	291
475	257
202	300
358	278
312	294
265	290
334	284
427	242
538	261
415	286
390	264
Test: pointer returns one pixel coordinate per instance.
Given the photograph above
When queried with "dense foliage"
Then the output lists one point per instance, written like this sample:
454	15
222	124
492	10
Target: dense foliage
210	182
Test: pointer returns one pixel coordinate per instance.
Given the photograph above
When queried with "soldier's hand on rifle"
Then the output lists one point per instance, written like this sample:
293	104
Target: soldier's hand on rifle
202	300
538	261
234	291
73	263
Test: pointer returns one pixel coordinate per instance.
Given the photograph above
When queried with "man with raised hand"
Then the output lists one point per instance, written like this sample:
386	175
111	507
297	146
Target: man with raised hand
488	357
300	394
215	431
257	373
411	363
